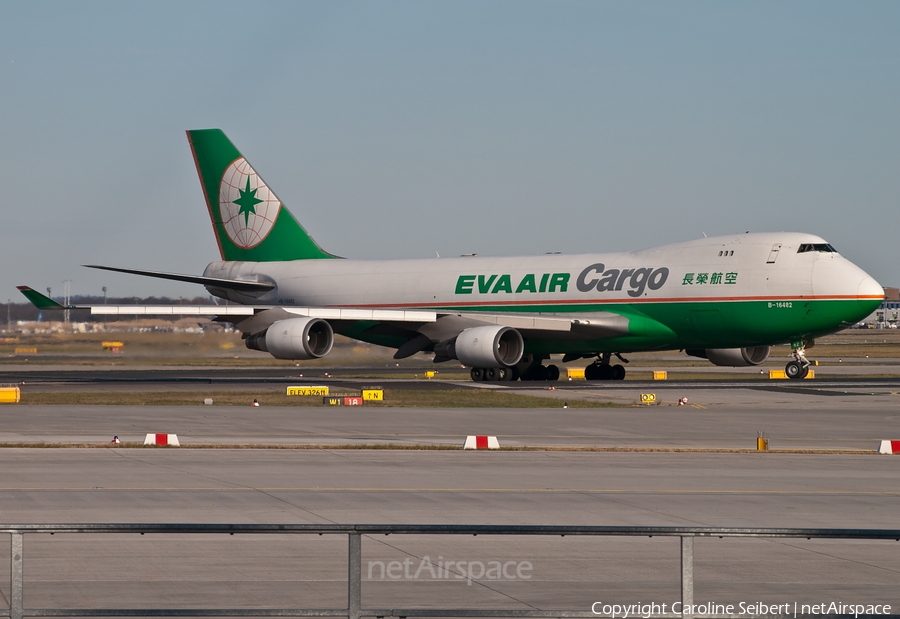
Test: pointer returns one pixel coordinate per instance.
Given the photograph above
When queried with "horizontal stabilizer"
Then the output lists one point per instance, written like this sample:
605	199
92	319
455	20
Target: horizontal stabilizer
230	284
39	300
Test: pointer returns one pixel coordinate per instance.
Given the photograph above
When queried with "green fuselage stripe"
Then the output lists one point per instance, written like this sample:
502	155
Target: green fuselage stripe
671	325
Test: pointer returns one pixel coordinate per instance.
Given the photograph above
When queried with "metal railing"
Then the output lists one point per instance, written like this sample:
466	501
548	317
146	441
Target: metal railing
355	609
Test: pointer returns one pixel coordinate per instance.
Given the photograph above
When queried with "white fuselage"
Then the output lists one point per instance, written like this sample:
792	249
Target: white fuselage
761	266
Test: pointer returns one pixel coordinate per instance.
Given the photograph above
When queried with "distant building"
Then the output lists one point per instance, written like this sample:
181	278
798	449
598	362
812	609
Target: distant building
887	316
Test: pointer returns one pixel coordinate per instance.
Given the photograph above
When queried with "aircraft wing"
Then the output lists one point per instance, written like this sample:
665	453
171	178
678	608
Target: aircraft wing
605	321
422	328
42	301
275	312
614	324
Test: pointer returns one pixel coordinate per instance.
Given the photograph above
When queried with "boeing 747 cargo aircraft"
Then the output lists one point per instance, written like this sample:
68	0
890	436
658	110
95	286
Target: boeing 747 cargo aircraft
726	299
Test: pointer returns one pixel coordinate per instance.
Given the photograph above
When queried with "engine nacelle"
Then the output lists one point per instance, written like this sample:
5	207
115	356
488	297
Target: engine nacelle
295	338
735	357
486	347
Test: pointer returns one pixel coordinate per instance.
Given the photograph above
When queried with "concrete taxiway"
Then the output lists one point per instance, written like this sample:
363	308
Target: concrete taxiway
247	485
713	419
115	377
294	486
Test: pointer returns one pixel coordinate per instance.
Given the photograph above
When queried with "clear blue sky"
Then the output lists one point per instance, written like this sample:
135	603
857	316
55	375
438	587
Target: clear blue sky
397	129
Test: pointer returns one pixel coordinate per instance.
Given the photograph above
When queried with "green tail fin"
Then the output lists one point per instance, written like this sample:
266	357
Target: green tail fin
250	222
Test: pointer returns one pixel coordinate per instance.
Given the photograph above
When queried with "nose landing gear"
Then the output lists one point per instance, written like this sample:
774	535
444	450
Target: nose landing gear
799	367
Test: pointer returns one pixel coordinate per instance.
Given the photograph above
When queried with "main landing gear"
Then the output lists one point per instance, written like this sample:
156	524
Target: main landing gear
536	371
799	367
602	370
530	368
494	375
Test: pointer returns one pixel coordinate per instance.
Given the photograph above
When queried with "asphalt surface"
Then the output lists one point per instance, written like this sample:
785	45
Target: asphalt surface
66	376
109	484
789	421
292	486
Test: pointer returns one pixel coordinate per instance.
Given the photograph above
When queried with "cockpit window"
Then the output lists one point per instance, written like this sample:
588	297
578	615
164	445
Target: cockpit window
822	247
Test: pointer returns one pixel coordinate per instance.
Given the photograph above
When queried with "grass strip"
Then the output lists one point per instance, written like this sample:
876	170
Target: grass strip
426	398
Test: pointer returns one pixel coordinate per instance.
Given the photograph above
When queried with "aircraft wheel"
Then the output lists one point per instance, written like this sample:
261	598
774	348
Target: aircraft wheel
605	372
505	374
795	370
552	372
491	374
592	372
618	372
477	374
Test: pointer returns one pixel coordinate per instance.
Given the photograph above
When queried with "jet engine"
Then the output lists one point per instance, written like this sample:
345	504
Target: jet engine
484	347
735	357
294	338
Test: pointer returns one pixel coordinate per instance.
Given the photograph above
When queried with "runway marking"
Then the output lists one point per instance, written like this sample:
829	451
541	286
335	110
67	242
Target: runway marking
439	446
475	490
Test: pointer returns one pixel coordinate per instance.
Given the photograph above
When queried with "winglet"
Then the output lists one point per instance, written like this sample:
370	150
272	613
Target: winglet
39	300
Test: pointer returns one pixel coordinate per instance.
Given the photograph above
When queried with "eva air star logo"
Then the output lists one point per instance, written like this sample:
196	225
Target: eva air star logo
247	207
247	201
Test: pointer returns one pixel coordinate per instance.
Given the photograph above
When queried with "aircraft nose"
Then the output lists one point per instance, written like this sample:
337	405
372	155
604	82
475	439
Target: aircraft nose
837	278
870	293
